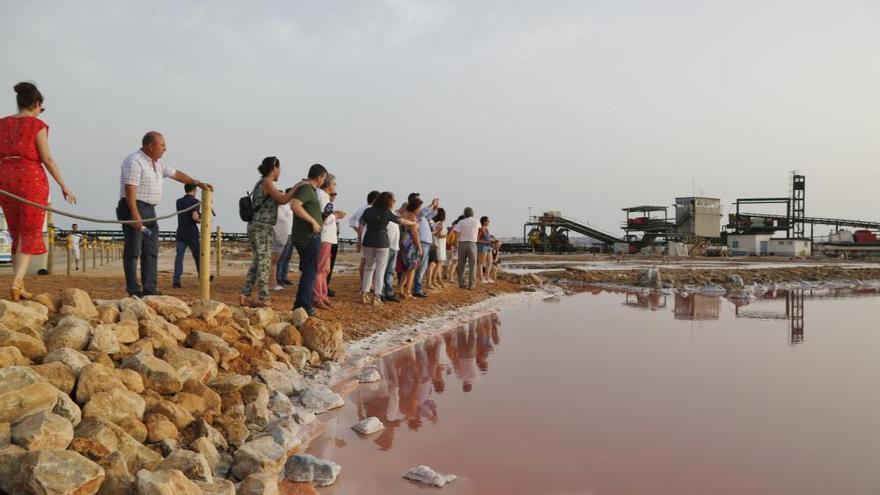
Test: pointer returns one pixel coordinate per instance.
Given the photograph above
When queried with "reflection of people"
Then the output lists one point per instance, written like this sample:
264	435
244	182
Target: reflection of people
140	188
24	150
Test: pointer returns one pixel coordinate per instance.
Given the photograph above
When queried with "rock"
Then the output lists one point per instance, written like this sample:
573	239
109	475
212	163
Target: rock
171	308
261	317
212	399
176	414
157	374
203	429
287	382
54	472
213	346
67	409
190	403
117	479
228	384
290	336
285	433
96	378
97	438
308	468
192	464
160	428
16	377
235	431
127	331
29	399
159	331
5	434
165	482
325	338
58	374
219	487
274	330
15	316
255	396
303	416
650	278
115	405
191	364
210	311
368	426
74	360
46	300
319	398
42	430
262	454
77	302
31	347
71	331
369	375
299	317
134	427
736	281
297	355
427	476
12	356
100	358
136	307
131	379
108	313
104	340
330	367
212	456
280	405
259	484
315	359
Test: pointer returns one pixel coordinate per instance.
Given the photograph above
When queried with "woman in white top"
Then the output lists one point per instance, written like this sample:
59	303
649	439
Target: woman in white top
329	237
280	233
435	269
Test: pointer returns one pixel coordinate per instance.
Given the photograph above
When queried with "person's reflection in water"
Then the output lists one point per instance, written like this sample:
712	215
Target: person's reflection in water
487	336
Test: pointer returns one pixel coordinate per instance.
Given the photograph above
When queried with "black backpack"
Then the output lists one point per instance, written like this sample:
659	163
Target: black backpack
246	207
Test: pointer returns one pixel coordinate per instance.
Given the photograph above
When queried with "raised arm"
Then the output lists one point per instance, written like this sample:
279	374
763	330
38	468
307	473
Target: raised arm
183	178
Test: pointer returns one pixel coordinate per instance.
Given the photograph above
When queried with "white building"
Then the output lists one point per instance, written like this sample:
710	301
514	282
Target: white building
793	248
749	244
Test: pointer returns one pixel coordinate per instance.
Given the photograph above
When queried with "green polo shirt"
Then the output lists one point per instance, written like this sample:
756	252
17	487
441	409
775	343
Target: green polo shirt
302	230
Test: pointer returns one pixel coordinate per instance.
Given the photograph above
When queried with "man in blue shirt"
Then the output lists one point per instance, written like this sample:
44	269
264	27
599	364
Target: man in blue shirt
187	232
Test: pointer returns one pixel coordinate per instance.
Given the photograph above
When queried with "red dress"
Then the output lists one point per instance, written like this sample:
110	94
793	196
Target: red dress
22	174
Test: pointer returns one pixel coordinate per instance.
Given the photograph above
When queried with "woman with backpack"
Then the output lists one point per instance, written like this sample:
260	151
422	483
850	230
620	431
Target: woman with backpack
261	218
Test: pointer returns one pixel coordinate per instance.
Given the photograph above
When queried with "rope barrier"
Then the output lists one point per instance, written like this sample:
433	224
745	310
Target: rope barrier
95	220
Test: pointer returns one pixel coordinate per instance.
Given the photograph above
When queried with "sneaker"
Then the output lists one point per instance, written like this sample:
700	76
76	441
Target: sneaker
278	287
331	293
391	298
420	295
176	285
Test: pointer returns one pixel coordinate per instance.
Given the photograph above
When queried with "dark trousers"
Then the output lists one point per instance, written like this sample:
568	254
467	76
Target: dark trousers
182	244
139	245
333	251
308	268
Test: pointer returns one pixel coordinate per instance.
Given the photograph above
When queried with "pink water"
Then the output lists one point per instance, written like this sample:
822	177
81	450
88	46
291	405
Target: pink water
625	394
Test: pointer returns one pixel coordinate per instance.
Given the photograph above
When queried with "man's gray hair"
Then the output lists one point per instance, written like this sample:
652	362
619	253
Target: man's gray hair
468	212
329	180
150	138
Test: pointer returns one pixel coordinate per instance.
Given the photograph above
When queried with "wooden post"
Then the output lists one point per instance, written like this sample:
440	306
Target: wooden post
205	247
69	246
95	244
50	231
219	252
84	251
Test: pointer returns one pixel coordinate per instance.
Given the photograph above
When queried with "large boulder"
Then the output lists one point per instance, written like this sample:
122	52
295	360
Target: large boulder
211	311
108	312
16	316
104	340
165	482
115	405
54	472
308	468
67	409
12	356
319	398
96	378
77	302
159	331
97	438
117	479
42	430
212	345
160	428
256	403
324	337
297	355
288	382
171	308
74	360
176	414
30	346
427	476
127	331
71	331
262	454
57	374
212	399
29	399
218	487
137	308
192	464
228	384
211	455
190	363
157	374
259	484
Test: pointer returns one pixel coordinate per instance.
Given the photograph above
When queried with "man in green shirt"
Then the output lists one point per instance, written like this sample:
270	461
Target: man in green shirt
306	236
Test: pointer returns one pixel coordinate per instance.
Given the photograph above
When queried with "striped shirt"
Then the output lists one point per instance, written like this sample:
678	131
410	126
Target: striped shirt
140	171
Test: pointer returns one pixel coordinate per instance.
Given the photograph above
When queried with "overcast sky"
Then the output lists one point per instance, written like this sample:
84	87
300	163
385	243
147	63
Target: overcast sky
580	106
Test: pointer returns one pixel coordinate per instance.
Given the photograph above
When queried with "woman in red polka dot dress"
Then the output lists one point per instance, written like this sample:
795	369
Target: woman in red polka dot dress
24	149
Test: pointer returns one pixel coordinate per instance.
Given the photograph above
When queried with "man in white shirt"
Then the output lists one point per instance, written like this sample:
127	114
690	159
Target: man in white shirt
468	231
355	222
140	189
75	239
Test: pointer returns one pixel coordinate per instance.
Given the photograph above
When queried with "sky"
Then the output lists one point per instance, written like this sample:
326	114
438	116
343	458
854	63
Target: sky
580	106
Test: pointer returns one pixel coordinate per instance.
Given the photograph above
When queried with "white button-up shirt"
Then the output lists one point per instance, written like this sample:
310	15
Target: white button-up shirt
139	170
468	229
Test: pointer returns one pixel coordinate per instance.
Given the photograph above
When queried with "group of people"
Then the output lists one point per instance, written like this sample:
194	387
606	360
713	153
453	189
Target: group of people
411	241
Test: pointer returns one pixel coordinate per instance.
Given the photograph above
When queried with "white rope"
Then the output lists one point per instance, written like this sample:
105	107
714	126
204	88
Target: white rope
95	220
